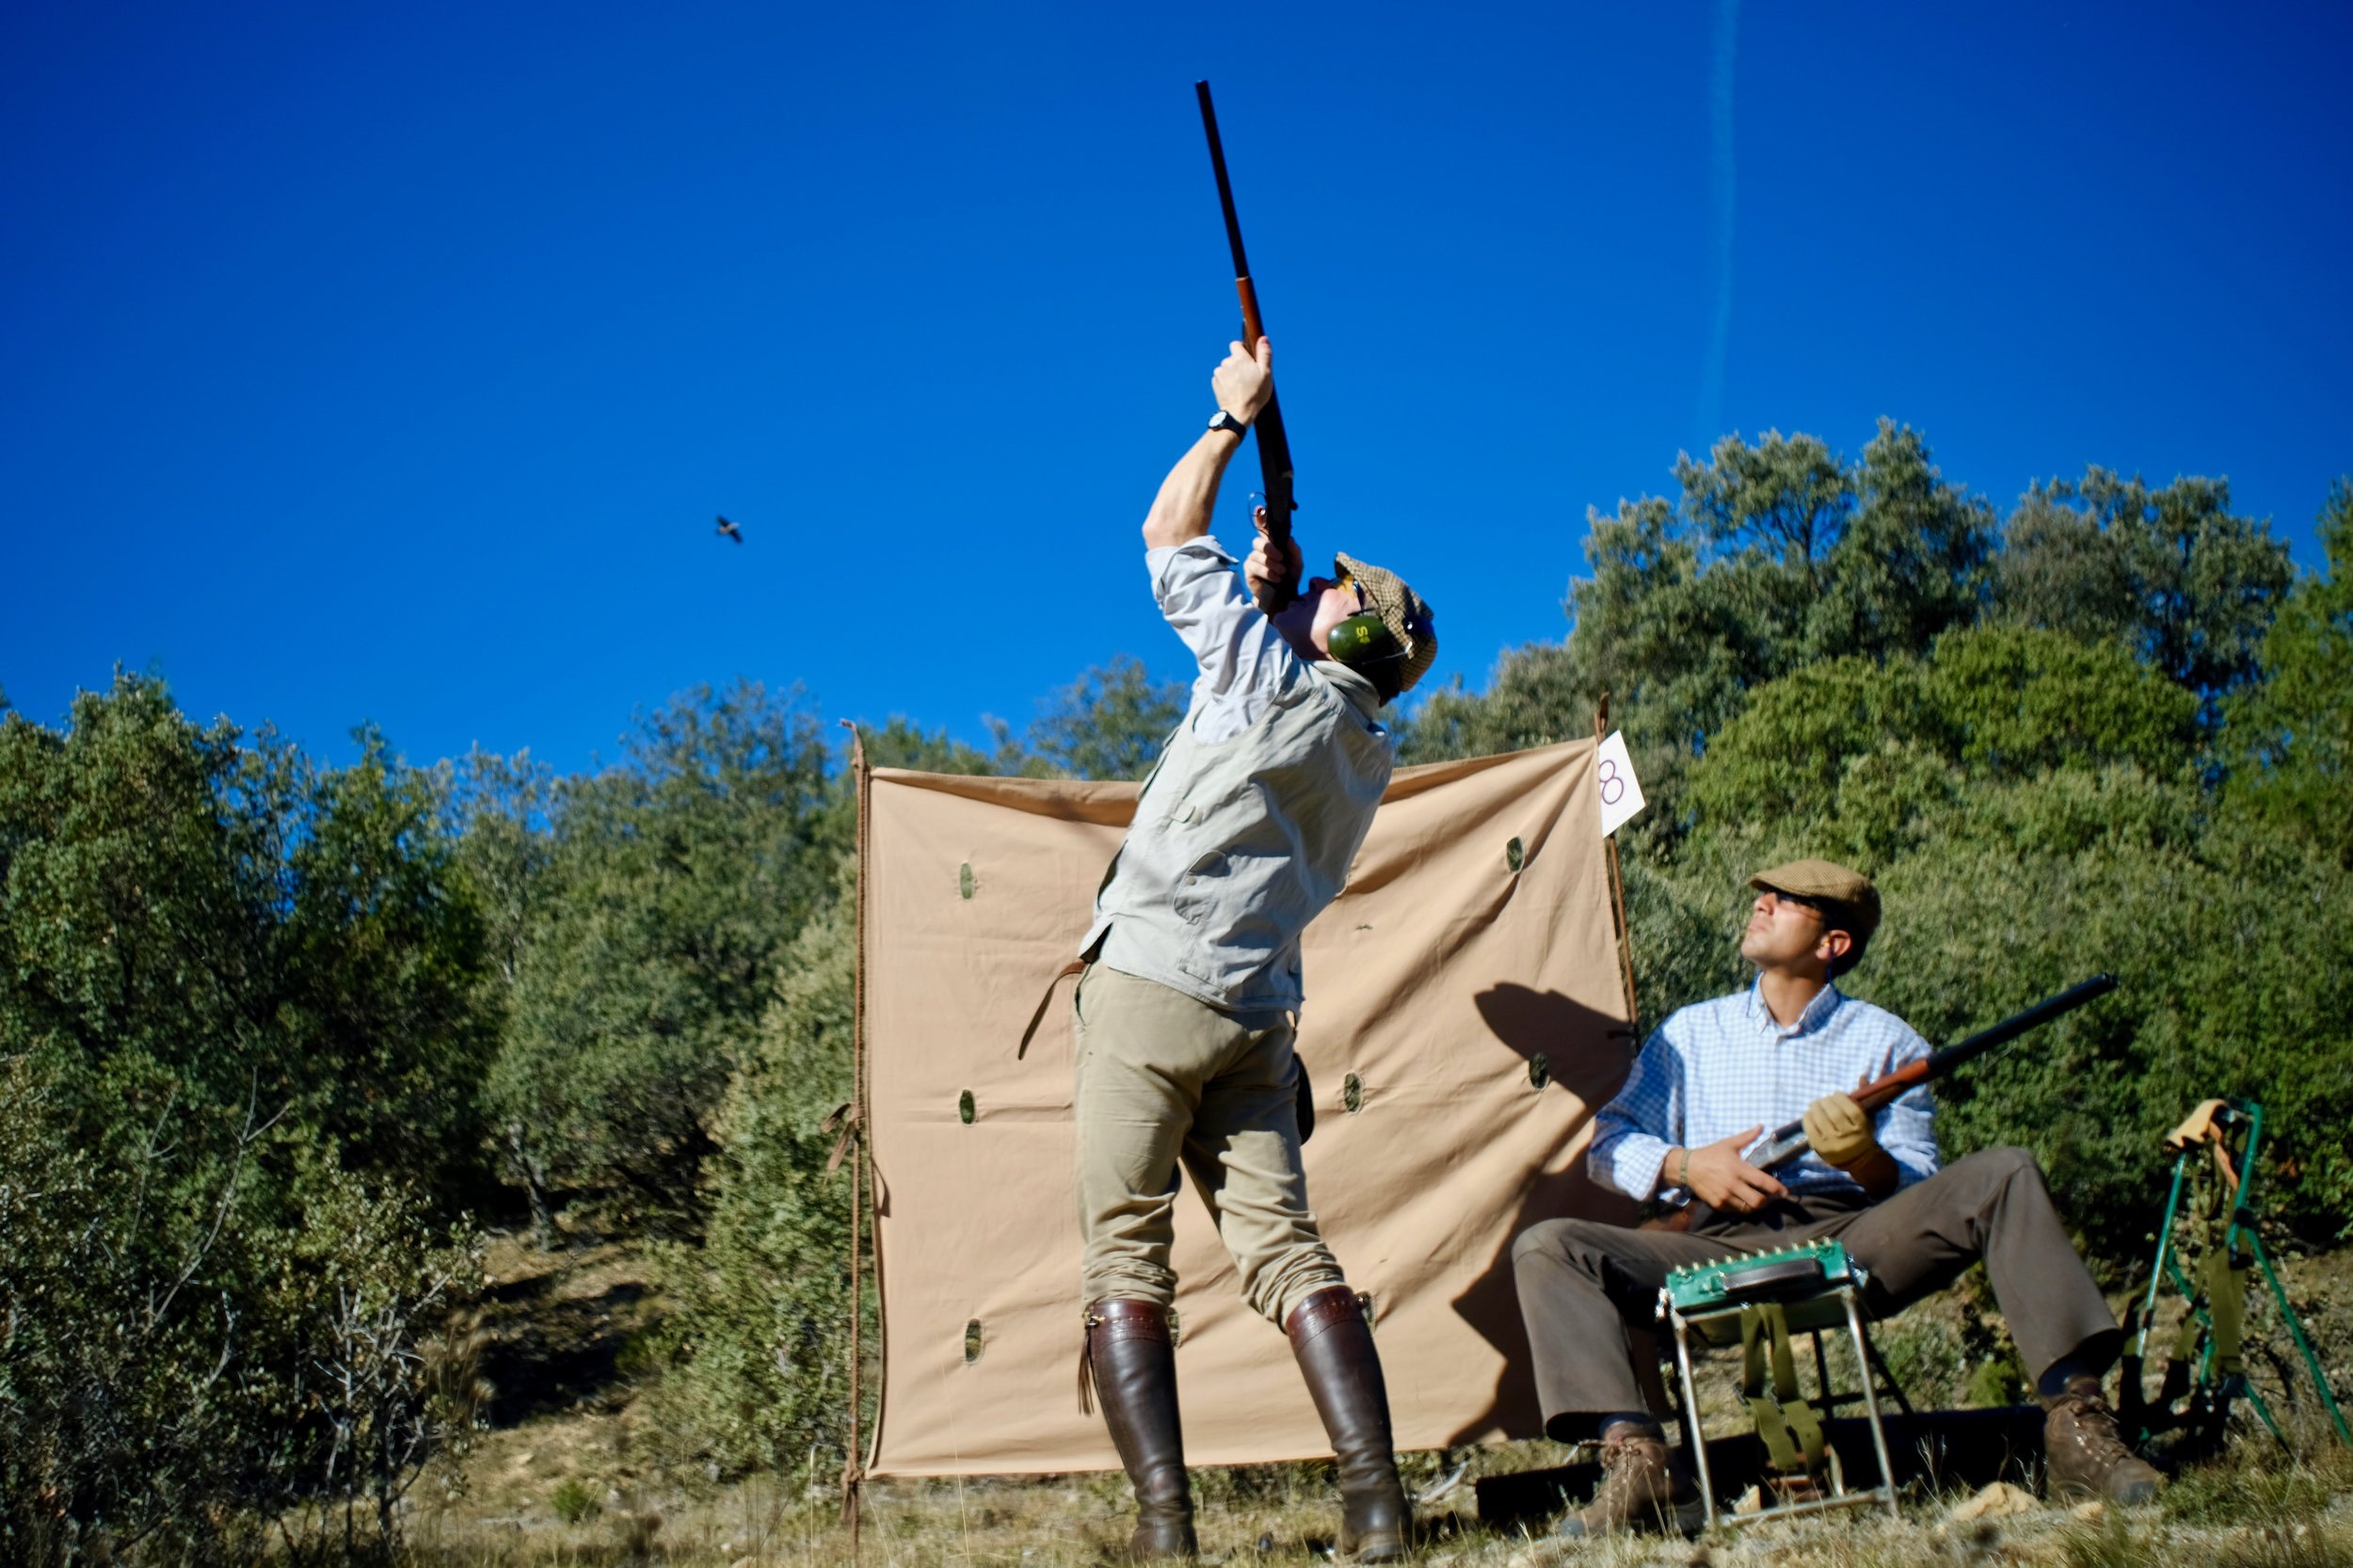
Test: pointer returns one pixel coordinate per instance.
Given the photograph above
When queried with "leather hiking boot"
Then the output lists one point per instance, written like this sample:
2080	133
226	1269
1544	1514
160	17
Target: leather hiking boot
1640	1490
1133	1364
1334	1344
2084	1454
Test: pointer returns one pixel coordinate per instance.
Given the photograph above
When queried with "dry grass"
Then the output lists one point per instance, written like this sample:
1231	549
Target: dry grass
1051	1525
2258	1509
596	1460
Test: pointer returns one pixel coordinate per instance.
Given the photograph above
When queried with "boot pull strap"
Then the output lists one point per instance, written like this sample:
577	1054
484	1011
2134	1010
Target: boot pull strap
1115	1319
1086	1365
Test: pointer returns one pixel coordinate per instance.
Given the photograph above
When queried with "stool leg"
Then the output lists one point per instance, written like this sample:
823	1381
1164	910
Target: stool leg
1691	1403
1872	1404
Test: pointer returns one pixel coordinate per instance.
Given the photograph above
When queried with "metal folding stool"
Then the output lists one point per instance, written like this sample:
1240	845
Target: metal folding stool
1804	1288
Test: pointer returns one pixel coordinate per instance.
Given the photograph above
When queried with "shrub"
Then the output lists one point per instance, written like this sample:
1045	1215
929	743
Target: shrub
195	1358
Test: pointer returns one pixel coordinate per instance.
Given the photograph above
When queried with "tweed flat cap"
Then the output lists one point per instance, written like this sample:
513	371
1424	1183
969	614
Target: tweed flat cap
1402	611
1830	883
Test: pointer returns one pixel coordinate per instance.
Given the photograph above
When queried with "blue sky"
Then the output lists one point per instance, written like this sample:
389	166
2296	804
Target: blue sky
389	363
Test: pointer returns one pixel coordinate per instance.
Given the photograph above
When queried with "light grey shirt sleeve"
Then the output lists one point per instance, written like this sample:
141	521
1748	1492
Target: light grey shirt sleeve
1243	659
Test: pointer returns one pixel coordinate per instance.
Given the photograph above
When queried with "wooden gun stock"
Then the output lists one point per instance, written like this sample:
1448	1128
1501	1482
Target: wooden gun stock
1275	447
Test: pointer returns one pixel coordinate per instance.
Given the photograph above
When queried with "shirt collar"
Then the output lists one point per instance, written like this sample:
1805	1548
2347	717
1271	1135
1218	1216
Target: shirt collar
1361	692
1817	1012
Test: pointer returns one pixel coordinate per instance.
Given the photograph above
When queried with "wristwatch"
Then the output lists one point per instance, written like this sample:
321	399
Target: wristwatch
1224	420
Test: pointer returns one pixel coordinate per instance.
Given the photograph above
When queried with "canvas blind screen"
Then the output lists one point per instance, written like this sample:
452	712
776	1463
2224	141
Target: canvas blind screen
1465	1016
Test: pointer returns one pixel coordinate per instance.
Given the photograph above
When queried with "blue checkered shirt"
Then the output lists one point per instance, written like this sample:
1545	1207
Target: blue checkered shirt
1717	1068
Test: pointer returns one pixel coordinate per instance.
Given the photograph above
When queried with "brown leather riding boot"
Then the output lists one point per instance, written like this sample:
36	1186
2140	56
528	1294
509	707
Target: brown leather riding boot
1133	1363
2085	1456
1334	1345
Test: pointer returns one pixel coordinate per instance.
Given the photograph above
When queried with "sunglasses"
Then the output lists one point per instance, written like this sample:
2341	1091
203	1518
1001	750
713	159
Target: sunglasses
1344	578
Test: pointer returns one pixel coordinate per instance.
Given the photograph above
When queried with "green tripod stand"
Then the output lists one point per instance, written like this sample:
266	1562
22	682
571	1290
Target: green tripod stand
2206	1249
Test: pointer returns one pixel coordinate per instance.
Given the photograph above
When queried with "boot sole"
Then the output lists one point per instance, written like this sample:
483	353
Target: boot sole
1376	1545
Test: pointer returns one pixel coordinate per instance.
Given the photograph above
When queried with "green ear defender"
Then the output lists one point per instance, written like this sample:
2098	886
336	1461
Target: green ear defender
1363	639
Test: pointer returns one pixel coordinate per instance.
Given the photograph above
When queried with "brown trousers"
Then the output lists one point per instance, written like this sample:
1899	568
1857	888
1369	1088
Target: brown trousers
1582	1283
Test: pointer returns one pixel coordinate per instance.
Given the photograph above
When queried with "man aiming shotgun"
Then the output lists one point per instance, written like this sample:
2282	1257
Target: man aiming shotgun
1684	1129
1184	1013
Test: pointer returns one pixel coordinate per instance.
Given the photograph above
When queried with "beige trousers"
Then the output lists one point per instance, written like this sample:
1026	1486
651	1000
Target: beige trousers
1164	1078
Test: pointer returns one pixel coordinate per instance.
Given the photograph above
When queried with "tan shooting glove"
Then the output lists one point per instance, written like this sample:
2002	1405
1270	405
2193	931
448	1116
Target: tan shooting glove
1840	1131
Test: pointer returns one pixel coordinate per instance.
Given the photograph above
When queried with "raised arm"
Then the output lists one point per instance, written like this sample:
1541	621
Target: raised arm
1242	385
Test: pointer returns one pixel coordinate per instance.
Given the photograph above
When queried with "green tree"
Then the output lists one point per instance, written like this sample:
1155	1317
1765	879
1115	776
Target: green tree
2291	733
902	743
1539	695
1109	723
195	1352
1913	562
384	965
2172	572
756	1375
239	1055
672	884
1777	554
1867	757
195	918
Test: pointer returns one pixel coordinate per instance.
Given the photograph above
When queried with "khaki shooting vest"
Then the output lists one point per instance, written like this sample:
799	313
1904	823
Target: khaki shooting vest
1238	845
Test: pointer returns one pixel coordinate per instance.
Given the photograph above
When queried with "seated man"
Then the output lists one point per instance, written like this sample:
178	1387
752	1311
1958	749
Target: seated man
1708	1082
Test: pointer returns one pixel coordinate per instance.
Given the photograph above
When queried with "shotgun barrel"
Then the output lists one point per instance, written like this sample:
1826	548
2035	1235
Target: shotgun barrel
1790	1140
1275	447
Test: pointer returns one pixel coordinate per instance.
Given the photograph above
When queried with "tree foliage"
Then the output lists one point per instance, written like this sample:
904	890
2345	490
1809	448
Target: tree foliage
670	885
240	1049
1775	555
2018	732
756	1371
2291	736
195	918
2172	572
1109	723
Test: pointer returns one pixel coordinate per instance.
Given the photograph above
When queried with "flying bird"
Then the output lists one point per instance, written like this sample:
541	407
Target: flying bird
730	530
